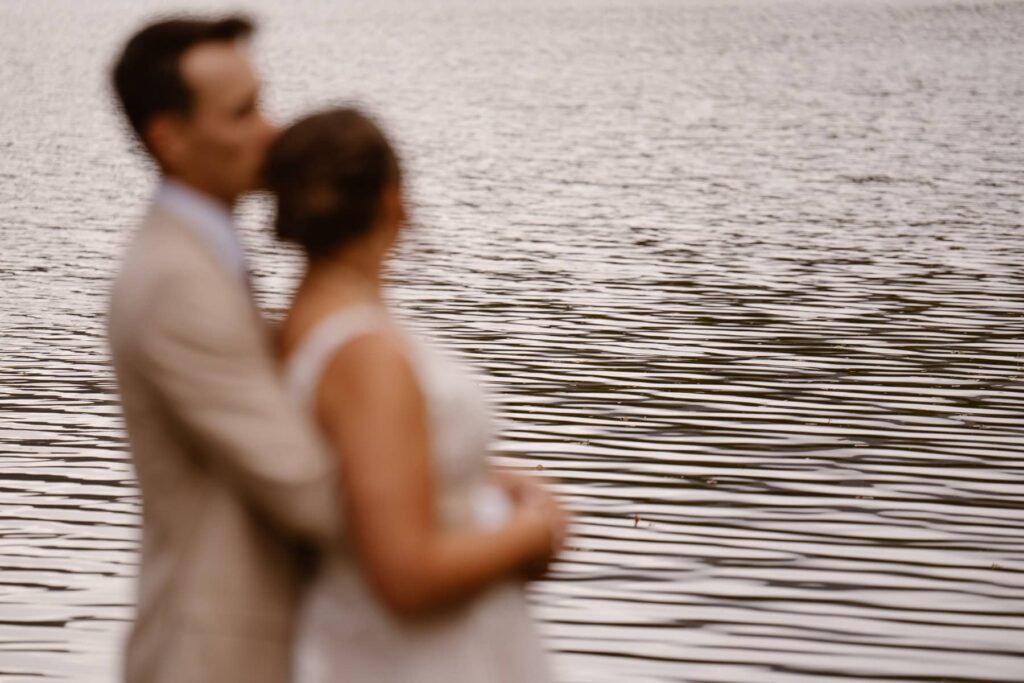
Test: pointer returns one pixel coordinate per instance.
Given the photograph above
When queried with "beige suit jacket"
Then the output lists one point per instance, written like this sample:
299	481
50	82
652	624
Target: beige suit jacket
233	476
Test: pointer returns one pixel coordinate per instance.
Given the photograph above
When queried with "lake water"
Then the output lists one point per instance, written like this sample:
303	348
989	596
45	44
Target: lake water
747	277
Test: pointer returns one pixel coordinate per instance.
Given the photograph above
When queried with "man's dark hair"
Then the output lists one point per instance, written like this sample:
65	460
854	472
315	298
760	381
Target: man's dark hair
329	171
147	76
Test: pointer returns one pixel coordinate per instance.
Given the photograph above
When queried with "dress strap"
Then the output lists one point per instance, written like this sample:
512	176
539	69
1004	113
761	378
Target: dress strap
307	363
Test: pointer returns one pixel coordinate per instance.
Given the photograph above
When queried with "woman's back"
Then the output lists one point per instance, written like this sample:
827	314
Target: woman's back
346	632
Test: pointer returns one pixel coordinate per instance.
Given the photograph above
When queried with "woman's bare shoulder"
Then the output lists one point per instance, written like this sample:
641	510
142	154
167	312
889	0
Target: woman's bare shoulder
373	359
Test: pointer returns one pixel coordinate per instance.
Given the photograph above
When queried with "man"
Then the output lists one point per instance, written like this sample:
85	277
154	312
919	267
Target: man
232	475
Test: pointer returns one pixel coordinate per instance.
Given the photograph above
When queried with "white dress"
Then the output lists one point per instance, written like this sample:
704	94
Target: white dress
344	633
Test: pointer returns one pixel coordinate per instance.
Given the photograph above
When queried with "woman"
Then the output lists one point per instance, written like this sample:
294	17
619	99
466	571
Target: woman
428	583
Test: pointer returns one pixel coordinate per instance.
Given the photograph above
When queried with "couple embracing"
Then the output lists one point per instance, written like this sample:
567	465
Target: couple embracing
317	504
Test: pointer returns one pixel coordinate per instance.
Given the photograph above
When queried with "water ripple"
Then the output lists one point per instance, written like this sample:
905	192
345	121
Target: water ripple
743	278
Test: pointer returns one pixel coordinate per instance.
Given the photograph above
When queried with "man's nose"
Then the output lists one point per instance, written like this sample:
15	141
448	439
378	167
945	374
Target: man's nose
270	131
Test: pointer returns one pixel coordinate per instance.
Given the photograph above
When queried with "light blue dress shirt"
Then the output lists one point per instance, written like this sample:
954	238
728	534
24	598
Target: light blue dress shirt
209	218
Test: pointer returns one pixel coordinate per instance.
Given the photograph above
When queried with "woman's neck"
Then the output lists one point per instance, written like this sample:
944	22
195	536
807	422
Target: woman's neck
348	275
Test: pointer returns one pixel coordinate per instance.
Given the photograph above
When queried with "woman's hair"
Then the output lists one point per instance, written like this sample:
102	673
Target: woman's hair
328	171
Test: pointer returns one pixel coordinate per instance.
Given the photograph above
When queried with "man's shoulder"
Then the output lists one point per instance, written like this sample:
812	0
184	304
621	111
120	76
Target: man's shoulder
165	242
165	266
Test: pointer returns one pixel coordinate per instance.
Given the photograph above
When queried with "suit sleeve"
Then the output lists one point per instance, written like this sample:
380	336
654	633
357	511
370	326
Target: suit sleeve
209	362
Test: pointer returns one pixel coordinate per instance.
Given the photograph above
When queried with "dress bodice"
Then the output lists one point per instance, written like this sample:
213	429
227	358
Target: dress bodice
459	421
345	633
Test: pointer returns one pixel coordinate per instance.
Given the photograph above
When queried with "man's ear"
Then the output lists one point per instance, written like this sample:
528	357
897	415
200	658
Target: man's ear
164	135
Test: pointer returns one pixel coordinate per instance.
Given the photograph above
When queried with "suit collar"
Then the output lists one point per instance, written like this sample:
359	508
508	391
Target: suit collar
208	219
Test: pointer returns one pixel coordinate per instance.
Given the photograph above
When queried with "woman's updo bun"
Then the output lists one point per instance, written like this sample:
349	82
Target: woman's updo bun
328	171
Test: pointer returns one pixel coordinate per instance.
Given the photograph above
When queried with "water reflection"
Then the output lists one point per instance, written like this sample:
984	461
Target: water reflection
744	277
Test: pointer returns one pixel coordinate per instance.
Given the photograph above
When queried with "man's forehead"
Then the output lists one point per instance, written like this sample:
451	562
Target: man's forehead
218	67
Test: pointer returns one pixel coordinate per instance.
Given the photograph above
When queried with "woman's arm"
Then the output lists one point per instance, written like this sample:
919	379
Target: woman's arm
371	405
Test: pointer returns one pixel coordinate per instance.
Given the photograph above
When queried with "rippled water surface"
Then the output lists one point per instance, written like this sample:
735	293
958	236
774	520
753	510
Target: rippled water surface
747	277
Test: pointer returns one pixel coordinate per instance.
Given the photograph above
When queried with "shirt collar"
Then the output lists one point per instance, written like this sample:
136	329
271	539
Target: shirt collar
210	219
